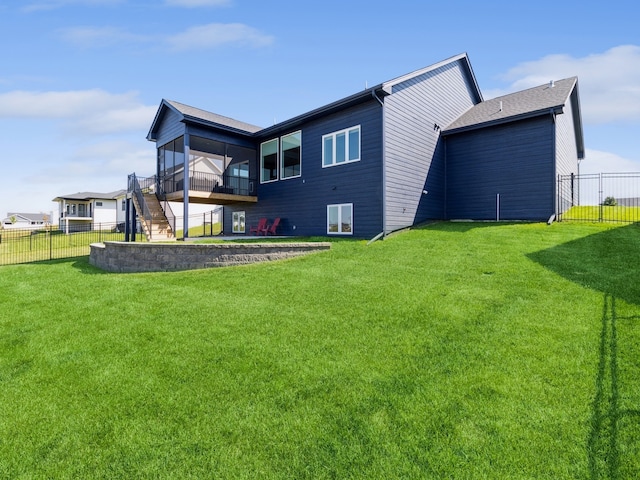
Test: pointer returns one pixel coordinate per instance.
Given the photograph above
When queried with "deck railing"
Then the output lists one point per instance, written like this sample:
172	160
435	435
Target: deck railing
209	182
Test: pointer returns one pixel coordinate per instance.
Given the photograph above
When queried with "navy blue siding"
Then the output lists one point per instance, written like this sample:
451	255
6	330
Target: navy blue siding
414	154
516	160
221	136
302	202
170	128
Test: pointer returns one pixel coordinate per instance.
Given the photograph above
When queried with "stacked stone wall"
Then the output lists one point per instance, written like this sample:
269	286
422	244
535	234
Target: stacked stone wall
129	257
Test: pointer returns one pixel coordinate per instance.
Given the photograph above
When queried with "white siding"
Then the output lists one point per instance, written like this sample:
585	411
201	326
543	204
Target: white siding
566	152
104	214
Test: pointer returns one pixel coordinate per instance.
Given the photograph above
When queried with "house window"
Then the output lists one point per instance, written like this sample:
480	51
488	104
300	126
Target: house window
291	156
340	219
341	147
237	222
98	204
124	205
269	161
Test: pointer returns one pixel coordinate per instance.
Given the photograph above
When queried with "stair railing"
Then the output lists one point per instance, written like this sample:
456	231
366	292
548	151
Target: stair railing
137	187
171	218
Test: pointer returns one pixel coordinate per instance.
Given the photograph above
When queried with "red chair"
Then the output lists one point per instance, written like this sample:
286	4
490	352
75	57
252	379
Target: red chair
271	229
259	229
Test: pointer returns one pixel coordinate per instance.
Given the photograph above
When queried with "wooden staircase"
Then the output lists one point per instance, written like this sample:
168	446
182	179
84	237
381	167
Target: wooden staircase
157	227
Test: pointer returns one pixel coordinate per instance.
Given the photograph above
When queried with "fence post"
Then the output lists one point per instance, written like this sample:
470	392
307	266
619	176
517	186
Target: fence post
600	197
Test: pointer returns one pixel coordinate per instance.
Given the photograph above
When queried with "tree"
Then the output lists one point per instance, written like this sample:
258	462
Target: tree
610	202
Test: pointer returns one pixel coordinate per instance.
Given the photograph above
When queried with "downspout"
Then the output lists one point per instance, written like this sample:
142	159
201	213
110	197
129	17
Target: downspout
556	198
384	171
446	185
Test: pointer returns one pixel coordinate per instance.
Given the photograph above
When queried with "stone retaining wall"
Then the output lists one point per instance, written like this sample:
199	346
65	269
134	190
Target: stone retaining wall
128	257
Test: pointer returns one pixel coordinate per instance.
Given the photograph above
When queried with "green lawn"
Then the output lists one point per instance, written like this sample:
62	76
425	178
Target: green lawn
458	350
21	246
604	213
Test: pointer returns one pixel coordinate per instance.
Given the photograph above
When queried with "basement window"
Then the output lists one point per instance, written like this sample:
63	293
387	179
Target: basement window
340	219
238	222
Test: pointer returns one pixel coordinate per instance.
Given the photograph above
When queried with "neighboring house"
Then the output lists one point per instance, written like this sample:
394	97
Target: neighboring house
26	220
628	202
91	210
423	146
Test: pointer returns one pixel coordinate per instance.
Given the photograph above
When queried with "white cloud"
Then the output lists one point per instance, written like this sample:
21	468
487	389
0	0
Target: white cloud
197	3
102	166
90	111
45	5
200	37
609	82
87	37
217	34
597	161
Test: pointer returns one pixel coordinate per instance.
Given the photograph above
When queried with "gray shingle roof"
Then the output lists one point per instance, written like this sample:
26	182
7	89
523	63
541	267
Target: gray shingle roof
376	91
525	103
85	196
202	116
32	217
197	113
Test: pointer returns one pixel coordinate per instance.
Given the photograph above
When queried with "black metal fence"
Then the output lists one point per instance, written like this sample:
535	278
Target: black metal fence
599	197
51	243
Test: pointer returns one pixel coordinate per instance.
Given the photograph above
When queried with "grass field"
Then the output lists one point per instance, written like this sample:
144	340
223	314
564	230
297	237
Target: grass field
604	213
22	246
457	350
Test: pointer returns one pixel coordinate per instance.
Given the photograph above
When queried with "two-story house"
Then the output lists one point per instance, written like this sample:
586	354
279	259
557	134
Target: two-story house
85	211
423	146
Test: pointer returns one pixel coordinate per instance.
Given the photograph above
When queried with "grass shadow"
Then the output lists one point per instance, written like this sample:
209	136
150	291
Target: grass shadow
612	425
608	261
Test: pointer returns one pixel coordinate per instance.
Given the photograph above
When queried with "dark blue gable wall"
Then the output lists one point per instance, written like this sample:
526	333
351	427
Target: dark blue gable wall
516	160
302	202
170	128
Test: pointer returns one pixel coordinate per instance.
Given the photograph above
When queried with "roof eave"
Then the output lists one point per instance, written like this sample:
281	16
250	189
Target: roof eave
151	136
200	121
574	98
464	57
355	99
559	109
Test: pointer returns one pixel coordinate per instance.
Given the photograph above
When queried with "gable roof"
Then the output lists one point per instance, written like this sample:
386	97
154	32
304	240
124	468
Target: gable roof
378	91
463	58
203	117
30	217
542	100
86	196
197	115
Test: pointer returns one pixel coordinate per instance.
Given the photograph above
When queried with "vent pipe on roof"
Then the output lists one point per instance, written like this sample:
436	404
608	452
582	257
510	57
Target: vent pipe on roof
552	83
500	105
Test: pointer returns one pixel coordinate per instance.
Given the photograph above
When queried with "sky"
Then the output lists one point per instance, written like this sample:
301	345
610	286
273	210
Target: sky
81	80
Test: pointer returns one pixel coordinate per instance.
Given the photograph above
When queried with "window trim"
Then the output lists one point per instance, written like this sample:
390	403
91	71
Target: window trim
333	136
339	207
281	159
277	161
